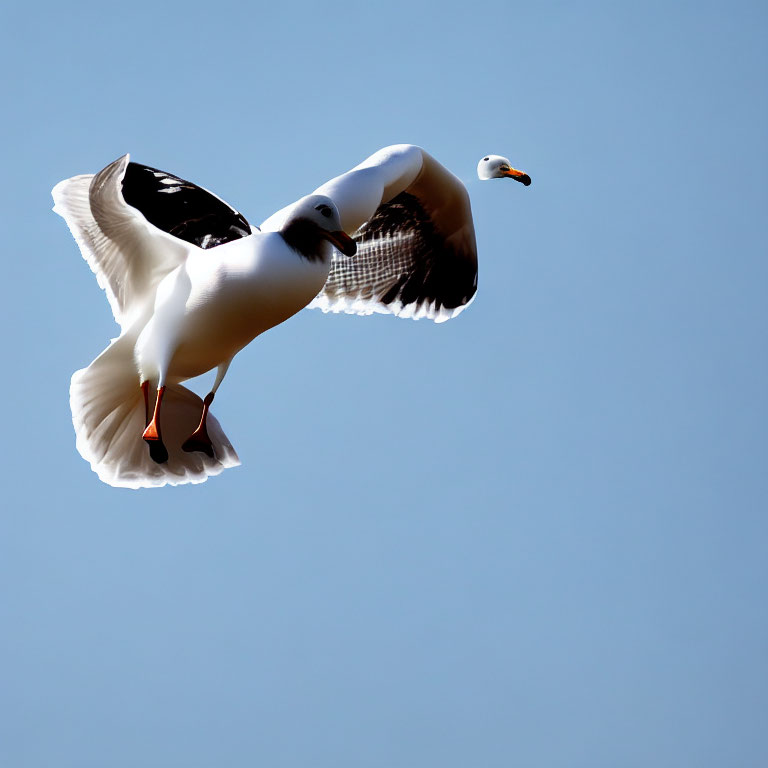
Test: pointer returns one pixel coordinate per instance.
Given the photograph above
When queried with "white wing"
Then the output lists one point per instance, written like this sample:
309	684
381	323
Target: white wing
134	224
412	221
128	255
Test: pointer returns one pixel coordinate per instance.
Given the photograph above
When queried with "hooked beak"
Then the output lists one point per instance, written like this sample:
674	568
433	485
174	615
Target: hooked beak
520	176
342	241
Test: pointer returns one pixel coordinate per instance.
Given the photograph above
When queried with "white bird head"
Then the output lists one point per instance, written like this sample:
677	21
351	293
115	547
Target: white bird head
498	167
311	220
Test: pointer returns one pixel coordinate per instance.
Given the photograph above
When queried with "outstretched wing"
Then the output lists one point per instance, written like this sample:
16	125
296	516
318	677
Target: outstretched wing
412	221
135	224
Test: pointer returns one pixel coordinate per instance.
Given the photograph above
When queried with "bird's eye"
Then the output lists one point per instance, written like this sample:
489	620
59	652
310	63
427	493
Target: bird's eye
325	210
486	159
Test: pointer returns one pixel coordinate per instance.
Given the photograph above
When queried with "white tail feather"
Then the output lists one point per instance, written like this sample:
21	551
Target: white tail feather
109	417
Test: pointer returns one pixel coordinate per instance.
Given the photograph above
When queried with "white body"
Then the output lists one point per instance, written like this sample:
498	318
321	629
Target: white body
216	302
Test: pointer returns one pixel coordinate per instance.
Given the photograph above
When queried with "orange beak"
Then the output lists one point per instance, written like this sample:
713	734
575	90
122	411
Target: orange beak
342	241
520	176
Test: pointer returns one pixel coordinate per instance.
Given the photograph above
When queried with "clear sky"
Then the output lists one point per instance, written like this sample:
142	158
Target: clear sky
532	536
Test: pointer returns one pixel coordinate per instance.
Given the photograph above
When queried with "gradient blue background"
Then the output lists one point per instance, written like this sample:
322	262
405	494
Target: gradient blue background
532	536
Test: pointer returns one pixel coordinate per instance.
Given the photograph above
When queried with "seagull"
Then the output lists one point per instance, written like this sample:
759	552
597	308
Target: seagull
498	167
190	283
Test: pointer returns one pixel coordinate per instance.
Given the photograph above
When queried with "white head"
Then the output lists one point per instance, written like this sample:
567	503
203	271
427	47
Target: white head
498	167
313	220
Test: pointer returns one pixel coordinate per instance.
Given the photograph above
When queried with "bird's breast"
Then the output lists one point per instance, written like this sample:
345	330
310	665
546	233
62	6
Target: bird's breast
240	294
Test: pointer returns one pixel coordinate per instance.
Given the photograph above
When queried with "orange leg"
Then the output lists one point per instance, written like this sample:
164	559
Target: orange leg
199	440
152	435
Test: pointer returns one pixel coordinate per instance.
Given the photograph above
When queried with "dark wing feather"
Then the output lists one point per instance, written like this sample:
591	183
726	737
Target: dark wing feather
181	208
404	265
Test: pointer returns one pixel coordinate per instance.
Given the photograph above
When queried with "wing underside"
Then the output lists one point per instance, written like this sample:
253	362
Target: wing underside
402	267
416	255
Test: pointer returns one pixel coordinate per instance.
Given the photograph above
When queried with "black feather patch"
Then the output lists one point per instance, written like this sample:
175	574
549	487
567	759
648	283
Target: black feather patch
402	257
305	237
182	209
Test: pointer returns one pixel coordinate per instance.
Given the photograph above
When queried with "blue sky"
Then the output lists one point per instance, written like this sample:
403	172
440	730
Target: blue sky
534	535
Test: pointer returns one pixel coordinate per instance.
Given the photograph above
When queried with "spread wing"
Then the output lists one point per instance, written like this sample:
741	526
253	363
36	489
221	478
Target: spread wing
134	224
412	221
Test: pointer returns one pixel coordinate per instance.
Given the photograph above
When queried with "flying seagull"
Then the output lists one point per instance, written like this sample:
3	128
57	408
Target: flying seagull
190	283
498	167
